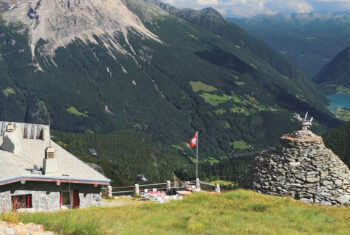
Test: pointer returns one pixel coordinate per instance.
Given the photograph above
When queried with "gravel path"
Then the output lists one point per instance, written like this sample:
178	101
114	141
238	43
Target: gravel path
22	229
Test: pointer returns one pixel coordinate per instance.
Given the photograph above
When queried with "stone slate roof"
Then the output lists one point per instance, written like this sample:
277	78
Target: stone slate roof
70	167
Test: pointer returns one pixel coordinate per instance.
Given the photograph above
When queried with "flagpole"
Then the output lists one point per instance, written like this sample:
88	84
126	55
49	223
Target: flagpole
197	157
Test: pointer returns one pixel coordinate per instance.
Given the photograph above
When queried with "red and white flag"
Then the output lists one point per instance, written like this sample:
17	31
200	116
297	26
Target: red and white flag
193	140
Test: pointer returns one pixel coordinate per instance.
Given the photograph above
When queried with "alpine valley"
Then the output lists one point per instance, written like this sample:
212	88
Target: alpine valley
309	40
134	79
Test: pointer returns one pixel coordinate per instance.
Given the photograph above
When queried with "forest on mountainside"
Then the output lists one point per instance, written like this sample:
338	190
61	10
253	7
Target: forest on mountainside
233	88
123	155
139	111
338	140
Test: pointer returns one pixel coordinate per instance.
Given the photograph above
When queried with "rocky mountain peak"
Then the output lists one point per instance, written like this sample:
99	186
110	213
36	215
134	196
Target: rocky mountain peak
59	22
301	167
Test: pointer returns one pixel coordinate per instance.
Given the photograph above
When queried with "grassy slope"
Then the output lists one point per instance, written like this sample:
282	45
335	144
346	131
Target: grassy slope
237	212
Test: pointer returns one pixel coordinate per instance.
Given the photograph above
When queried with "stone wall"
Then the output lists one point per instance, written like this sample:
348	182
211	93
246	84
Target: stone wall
46	196
301	167
5	202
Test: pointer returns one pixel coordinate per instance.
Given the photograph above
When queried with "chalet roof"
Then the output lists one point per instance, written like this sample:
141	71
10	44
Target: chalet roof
14	168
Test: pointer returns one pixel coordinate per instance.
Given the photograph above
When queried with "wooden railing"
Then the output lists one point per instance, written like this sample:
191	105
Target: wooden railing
176	185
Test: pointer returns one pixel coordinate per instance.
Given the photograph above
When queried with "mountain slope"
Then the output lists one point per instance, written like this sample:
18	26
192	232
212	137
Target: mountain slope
308	40
162	75
123	155
59	22
338	140
335	75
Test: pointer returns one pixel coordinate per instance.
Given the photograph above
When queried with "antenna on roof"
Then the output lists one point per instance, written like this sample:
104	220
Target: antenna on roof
50	133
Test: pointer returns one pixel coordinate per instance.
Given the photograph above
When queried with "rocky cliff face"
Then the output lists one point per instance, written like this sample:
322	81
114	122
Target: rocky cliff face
303	168
59	22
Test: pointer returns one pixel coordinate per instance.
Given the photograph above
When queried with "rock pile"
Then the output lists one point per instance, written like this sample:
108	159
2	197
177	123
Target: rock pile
301	167
22	229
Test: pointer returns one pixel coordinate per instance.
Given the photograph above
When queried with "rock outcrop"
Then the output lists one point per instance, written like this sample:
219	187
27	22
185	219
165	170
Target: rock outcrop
19	229
59	22
301	167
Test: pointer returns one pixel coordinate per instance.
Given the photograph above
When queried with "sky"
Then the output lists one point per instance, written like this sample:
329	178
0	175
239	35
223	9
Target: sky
248	8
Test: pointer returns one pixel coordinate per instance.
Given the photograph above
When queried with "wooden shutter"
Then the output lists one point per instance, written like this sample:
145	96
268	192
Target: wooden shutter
76	201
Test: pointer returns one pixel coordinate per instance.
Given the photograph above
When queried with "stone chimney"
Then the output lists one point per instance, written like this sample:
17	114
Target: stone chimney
46	134
12	140
50	165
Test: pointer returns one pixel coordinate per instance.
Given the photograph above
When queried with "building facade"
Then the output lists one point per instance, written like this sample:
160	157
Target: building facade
37	174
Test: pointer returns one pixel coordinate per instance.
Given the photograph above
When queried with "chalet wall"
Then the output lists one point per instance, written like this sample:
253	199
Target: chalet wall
46	196
5	202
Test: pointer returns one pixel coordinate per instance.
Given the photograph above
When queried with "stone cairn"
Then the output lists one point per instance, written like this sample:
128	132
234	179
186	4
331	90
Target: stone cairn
301	167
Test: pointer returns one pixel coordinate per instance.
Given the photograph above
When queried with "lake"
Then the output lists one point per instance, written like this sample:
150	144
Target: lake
339	101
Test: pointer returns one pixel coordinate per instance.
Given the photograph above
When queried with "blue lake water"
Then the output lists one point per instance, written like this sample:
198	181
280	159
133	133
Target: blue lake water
339	101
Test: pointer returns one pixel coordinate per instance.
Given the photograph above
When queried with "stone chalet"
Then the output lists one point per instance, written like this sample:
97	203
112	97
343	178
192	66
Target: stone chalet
37	174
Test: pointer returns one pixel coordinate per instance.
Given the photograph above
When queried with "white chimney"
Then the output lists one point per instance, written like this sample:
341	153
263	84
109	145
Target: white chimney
46	134
50	165
12	140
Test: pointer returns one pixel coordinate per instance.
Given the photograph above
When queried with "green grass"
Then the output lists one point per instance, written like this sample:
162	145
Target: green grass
212	160
239	83
213	99
240	110
9	91
75	112
342	114
339	89
237	212
240	145
200	86
220	111
301	97
222	182
343	89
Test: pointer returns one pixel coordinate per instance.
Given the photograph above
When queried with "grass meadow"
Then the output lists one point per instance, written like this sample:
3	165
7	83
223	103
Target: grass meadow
236	212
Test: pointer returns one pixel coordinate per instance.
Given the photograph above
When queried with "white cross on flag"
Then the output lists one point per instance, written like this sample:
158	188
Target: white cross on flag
193	141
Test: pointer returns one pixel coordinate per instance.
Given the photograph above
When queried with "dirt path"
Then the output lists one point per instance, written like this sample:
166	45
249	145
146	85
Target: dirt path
22	229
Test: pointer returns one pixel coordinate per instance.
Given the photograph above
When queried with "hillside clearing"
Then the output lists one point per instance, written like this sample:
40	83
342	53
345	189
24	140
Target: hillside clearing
237	212
75	111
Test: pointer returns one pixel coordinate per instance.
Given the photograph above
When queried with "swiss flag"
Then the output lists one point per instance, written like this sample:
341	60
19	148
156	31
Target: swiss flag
193	140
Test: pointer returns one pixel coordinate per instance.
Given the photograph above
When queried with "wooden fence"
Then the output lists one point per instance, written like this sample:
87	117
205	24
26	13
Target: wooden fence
176	185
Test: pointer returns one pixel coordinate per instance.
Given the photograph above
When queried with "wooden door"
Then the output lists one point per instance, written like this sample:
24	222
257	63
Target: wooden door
14	203
76	200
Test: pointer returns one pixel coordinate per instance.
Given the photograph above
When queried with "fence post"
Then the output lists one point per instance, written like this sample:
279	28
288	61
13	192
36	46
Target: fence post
198	184
109	191
168	185
137	189
217	188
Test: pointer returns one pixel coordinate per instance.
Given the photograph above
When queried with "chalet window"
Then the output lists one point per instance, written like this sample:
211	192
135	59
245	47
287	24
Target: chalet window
70	199
21	202
66	199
